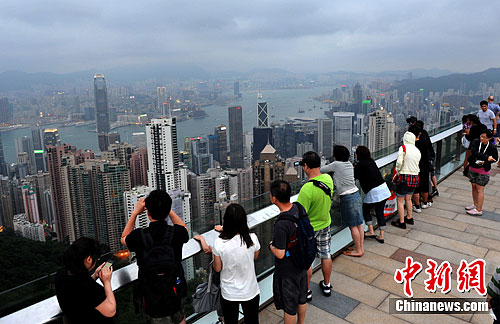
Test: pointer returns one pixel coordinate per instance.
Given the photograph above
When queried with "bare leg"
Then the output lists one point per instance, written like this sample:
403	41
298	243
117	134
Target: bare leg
381	236
425	195
362	236
309	275
480	197
401	211
474	195
290	319
434	182
409	206
356	237
301	312
326	268
416	199
370	230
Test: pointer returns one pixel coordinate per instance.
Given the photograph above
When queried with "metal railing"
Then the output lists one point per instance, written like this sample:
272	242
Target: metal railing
449	156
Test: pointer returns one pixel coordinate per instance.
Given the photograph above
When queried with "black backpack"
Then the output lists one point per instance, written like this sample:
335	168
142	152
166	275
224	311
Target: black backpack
159	284
303	250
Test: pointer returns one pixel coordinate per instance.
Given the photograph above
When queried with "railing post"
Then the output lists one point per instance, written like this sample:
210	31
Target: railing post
459	146
439	151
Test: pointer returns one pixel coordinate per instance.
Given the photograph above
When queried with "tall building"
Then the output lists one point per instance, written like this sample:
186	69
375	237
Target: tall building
342	128
203	198
28	229
164	169
5	114
39	149
25	144
131	198
6	204
262	115
366	107
221	156
381	130
51	137
120	152
325	137
261	137
236	89
202	159
236	137
161	101
3	165
41	183
102	111
357	94
302	148
139	168
30	203
268	168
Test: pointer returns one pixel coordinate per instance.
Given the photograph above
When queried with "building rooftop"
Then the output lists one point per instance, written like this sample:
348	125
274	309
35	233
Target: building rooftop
268	149
362	286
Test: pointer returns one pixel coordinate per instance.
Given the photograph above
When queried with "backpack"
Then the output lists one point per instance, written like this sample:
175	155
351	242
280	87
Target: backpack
303	250
159	284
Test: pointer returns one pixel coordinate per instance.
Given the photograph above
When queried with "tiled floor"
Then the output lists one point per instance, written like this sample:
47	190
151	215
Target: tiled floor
444	232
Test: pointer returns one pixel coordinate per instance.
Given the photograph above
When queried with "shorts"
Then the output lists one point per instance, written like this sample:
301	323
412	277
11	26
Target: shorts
323	240
479	179
174	319
351	212
402	189
290	292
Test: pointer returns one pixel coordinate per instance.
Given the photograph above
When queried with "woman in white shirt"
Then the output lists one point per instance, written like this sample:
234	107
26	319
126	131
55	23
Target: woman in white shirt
234	253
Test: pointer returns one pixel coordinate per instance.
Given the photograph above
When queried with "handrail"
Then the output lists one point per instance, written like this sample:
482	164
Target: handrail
48	309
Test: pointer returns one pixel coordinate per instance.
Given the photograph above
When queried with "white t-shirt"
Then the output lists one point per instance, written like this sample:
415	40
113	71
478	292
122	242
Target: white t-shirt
238	279
486	118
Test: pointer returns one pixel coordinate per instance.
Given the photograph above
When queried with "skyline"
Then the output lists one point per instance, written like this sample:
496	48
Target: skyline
66	37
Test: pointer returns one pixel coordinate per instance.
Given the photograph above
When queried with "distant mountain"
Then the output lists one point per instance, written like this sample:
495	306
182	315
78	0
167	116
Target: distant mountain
465	81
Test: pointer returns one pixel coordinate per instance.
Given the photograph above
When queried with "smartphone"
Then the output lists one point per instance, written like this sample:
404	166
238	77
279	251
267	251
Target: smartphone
108	264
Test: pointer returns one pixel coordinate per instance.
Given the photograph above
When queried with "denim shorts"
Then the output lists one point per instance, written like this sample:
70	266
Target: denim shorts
323	239
479	179
351	213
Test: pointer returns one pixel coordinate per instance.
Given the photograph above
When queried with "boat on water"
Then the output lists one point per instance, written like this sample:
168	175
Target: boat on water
259	95
301	111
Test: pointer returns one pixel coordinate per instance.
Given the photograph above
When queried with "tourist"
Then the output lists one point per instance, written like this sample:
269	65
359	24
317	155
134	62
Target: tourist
466	125
487	117
158	250
375	189
496	110
476	128
351	214
406	178
234	252
483	153
316	197
289	281
493	296
80	297
424	145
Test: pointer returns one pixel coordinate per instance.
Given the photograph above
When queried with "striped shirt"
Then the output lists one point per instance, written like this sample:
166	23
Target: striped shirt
494	285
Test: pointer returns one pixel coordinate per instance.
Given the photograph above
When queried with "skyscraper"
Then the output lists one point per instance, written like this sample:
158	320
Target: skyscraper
220	132
261	137
236	89
51	137
139	167
4	110
325	137
357	94
342	128
3	165
267	169
164	168
202	159
39	149
161	101
262	115
102	111
25	144
30	203
236	137
381	130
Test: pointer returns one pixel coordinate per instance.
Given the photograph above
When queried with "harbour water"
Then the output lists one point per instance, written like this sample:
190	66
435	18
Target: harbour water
282	104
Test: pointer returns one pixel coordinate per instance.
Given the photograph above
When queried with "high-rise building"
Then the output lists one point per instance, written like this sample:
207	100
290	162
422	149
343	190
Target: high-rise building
139	168
102	111
39	149
325	137
131	198
262	115
221	156
302	148
7	208
357	94
164	169
268	168
41	183
76	104
236	89
3	165
381	128
236	137
342	128
51	137
25	144
261	137
28	229
203	198
30	203
121	152
161	101
202	159
5	114
366	107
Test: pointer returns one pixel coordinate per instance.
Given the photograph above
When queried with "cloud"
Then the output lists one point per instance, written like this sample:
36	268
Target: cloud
65	36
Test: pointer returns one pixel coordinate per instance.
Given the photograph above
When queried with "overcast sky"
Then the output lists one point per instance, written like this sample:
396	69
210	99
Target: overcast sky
300	36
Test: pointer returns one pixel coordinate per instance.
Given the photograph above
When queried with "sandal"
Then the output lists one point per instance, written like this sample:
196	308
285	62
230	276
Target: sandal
349	253
381	241
370	236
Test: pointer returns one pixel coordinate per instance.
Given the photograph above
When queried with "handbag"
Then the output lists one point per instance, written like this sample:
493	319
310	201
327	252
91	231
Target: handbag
465	142
206	297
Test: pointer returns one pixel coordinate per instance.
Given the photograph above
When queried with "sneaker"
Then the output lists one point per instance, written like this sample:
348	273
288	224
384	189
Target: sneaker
397	223
474	212
409	221
424	205
309	296
417	209
327	290
471	207
429	204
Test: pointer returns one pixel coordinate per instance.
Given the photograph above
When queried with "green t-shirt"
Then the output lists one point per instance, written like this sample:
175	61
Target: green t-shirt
316	202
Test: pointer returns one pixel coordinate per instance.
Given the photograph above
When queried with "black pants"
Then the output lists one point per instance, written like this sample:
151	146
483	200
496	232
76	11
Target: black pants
250	310
379	212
